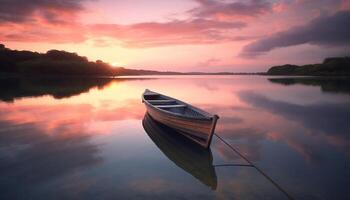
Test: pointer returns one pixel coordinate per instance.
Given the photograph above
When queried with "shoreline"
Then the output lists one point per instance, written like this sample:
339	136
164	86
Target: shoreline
19	75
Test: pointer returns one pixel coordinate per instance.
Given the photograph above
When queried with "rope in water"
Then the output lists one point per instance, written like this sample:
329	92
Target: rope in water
232	165
257	168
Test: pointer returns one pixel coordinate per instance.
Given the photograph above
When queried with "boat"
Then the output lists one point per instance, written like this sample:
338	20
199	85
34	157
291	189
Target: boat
193	159
194	123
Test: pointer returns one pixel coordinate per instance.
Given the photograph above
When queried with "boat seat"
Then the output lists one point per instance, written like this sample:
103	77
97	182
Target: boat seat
170	106
161	101
151	94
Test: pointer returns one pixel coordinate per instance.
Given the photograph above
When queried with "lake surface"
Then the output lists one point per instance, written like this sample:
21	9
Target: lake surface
90	139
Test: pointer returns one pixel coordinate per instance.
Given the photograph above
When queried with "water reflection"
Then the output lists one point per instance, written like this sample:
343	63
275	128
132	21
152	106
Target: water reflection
329	120
83	142
327	84
31	158
19	87
13	88
184	153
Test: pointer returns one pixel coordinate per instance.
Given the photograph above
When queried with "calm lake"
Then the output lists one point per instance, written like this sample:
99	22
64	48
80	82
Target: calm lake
90	139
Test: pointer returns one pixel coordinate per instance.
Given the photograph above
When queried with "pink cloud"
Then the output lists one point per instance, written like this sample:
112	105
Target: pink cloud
151	34
231	10
345	5
46	26
43	32
19	11
41	21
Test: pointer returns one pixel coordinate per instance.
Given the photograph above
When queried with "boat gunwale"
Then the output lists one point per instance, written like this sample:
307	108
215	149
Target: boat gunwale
206	115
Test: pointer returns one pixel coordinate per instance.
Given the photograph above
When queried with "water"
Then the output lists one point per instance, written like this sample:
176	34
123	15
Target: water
89	139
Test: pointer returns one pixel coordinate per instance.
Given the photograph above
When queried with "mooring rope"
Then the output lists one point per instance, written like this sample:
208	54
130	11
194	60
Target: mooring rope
257	168
232	165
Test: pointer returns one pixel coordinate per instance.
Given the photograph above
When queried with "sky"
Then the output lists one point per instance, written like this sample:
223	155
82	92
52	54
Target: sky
182	35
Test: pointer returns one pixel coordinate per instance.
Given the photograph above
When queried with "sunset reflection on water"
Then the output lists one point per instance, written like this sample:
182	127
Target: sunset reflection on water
90	140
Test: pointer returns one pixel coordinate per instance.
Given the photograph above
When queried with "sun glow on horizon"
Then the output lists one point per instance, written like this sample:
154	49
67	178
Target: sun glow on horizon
117	64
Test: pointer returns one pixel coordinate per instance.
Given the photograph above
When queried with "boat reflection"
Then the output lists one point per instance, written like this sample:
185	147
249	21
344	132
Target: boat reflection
187	155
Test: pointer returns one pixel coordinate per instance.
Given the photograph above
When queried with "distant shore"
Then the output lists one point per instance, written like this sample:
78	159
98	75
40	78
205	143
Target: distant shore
338	66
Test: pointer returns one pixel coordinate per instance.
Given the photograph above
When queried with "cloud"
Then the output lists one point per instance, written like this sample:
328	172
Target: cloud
43	32
56	22
325	30
18	11
41	20
198	31
230	10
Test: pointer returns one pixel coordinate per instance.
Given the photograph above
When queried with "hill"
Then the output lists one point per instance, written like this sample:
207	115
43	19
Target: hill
337	66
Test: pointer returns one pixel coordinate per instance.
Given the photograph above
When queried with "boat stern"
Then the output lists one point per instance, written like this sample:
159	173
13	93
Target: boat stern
212	130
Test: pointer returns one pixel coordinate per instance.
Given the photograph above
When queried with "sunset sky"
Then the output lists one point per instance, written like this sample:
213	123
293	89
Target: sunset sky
182	35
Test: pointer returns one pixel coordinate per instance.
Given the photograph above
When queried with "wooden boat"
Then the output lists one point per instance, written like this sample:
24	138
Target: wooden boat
193	159
192	122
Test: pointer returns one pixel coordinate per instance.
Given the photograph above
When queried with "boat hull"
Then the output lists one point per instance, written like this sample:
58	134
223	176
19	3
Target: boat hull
198	130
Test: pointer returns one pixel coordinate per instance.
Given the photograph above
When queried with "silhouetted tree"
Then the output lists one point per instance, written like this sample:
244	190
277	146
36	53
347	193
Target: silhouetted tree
53	62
